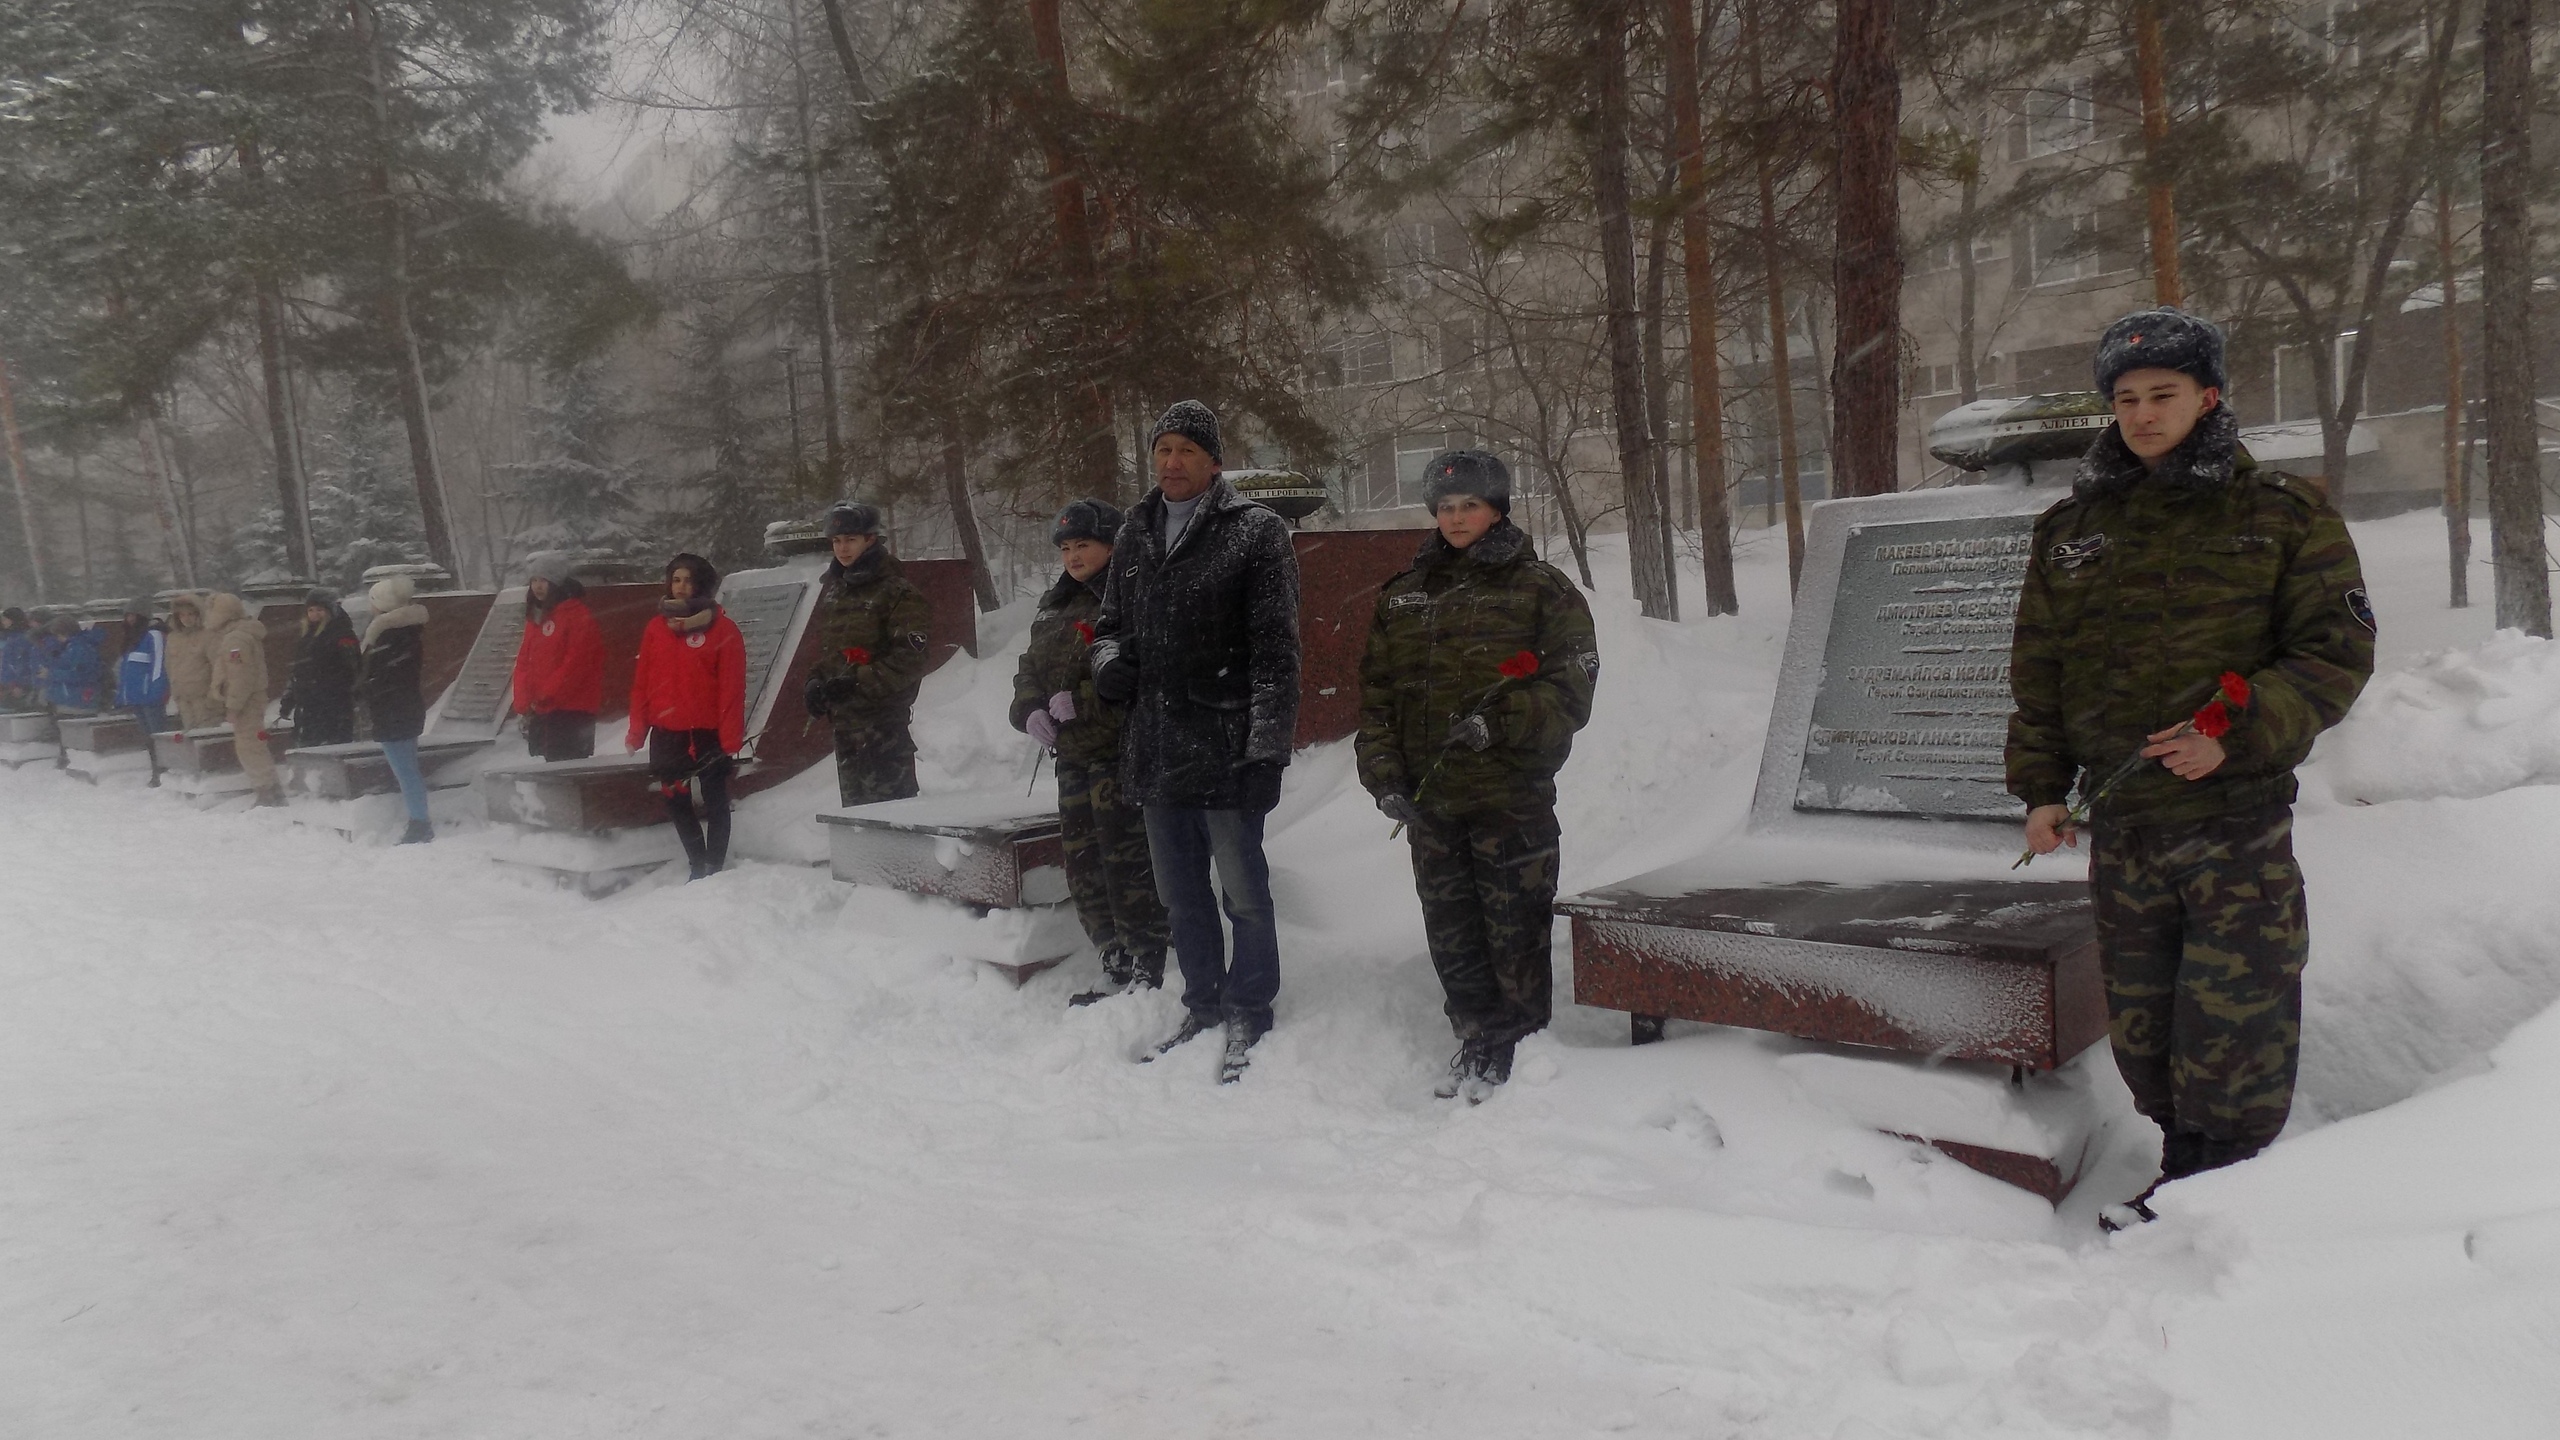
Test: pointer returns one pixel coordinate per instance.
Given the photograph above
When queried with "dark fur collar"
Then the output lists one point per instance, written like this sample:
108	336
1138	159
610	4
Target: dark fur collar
1069	587
2203	461
1501	545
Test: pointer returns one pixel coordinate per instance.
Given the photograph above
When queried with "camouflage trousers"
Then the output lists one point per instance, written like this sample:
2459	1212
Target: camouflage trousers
2202	934
875	762
1105	846
1487	881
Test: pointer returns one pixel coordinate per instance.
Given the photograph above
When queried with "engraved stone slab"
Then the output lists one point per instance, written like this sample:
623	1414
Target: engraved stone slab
476	701
763	615
1913	706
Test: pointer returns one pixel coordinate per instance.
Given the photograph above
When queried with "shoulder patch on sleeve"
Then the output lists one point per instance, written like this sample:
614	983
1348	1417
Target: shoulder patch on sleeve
2360	605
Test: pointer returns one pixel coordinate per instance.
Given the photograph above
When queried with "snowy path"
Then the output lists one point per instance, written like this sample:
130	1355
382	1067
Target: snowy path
450	1155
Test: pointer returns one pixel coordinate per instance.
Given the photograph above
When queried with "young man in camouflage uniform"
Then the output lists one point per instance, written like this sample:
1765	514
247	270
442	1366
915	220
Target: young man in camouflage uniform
872	630
1053	702
2175	560
1480	668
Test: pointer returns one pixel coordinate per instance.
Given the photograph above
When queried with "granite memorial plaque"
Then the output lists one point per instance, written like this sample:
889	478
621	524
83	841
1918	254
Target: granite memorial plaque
1913	709
763	615
478	695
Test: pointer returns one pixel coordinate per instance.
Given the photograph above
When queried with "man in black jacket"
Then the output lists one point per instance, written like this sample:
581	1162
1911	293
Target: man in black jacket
1199	637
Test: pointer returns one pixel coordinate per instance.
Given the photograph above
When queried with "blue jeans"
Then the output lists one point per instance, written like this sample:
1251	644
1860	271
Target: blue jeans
403	755
1184	844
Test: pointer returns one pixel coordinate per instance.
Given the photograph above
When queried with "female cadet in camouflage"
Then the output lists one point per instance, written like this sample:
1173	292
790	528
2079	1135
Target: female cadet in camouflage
2174	560
1105	842
1480	667
873	633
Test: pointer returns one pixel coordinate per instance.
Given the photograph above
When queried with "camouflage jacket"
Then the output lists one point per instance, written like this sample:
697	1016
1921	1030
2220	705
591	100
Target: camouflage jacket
874	628
1438	644
1055	660
2144	588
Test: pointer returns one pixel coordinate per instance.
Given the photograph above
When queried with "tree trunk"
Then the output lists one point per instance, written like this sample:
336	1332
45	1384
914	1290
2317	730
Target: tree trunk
268	299
1096	446
854	84
2151	73
2457	489
2506	297
1866	255
399	333
1605	45
80	514
822	269
164	503
1657	403
1781	372
1706	377
1968	271
17	451
964	513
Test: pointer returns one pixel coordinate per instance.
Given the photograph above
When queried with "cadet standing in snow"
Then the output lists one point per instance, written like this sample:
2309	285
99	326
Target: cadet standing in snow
874	639
1479	669
191	665
238	689
320	691
559	675
2174	562
1104	840
76	667
395	704
1199	638
142	676
689	701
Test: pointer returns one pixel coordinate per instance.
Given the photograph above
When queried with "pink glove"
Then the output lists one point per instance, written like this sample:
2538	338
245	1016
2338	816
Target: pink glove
1062	706
1042	729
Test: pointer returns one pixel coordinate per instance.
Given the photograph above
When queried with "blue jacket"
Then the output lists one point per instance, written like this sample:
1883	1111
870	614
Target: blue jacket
142	676
18	668
72	671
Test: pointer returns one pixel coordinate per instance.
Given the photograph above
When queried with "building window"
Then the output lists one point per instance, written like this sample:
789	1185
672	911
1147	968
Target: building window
2062	115
1461	349
2298	384
1413	452
1359	359
1934	380
2062	249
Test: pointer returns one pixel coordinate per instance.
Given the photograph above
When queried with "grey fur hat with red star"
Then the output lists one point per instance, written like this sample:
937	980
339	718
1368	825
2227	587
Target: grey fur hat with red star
2163	339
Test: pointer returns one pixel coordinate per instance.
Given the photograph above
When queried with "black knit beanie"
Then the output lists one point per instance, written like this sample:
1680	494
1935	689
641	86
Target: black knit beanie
1192	421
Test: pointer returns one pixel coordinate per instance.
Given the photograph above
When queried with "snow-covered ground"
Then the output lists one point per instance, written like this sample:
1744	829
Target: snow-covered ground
303	1138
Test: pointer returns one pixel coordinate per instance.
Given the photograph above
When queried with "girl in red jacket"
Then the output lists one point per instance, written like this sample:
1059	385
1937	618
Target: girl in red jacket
689	700
559	679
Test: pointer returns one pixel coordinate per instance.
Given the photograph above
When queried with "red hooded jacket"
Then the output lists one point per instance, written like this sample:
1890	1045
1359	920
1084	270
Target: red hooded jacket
691	679
560	666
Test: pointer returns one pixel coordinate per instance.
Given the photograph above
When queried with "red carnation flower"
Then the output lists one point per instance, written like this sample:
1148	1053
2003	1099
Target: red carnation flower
1520	666
856	655
2213	722
1084	631
2235	688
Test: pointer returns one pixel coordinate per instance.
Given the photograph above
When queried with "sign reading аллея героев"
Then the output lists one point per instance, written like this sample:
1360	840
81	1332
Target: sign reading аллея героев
1913	709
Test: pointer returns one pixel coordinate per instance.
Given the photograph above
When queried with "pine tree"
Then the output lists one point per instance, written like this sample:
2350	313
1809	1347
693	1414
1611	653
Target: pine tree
580	497
364	511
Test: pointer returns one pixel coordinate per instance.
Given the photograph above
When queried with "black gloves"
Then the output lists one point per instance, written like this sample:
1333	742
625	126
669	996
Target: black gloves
1399	807
1117	681
1260	781
1472	731
813	698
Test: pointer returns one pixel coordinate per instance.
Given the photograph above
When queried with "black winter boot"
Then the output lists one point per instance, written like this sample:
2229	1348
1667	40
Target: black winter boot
1195	1023
1116	970
418	833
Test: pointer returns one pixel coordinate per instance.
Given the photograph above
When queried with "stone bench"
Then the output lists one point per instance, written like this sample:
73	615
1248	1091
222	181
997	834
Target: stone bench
207	761
94	746
997	852
27	736
359	768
